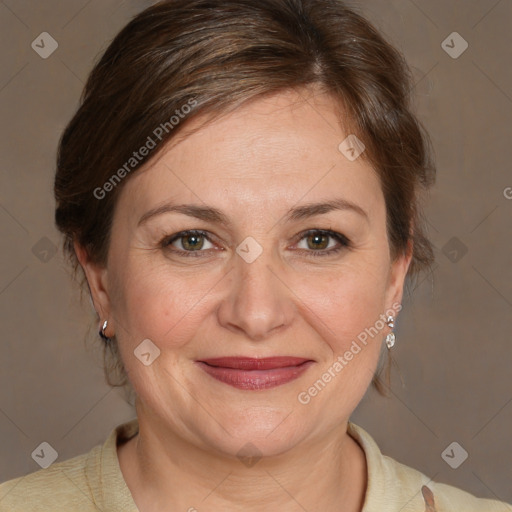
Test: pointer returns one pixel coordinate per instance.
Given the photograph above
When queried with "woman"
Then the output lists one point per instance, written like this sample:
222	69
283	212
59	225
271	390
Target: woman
240	188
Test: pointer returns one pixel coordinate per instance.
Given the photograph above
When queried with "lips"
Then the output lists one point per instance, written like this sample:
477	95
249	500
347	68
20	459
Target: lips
250	363
249	373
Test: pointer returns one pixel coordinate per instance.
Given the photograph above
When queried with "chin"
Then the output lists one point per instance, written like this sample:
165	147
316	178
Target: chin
268	433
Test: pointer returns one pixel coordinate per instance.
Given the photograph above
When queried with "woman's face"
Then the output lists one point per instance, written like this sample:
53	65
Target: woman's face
256	284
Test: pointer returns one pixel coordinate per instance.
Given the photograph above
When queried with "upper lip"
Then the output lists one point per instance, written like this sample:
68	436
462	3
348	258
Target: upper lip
251	363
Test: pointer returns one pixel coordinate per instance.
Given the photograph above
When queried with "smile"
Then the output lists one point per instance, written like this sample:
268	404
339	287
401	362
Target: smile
253	374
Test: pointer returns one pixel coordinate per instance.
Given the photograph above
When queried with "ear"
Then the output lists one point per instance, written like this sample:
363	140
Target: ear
98	284
396	280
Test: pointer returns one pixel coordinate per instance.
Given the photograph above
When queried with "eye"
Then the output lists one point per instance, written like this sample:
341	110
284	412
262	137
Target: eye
318	241
192	241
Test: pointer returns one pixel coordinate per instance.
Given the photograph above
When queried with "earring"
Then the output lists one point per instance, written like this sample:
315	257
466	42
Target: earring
390	338
102	334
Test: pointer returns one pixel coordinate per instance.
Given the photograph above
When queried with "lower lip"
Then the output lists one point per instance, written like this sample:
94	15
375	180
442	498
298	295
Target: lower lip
255	379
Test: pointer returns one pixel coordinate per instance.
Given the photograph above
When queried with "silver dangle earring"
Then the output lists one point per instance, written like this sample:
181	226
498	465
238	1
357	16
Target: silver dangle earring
390	338
103	336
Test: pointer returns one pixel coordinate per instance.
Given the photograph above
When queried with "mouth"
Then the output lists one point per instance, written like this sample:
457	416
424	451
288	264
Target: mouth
255	373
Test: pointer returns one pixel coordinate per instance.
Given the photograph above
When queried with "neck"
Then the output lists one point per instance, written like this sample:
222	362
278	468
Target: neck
166	472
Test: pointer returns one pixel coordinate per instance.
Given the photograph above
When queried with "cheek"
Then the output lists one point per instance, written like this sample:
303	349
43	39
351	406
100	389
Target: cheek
347	316
347	303
159	304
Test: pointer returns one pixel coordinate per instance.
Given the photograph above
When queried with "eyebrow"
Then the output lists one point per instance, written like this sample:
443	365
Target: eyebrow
210	214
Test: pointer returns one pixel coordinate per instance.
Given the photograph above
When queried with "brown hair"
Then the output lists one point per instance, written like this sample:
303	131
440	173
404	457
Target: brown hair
183	58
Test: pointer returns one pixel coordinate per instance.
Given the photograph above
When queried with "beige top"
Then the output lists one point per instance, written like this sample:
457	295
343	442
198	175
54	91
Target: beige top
94	482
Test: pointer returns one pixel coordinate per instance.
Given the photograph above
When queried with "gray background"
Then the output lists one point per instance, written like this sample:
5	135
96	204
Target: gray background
453	337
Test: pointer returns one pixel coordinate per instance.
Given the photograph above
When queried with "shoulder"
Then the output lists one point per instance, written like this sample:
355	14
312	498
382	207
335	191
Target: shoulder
89	482
393	486
430	496
62	486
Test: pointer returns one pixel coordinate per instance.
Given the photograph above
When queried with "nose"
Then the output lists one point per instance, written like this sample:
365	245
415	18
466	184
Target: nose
257	302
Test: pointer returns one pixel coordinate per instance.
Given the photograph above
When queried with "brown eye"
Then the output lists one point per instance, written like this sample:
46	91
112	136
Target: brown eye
318	242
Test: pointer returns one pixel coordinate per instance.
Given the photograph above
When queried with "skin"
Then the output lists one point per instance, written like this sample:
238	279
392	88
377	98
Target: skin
254	165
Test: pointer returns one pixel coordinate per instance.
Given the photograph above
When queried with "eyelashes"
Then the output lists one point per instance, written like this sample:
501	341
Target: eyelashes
342	240
194	239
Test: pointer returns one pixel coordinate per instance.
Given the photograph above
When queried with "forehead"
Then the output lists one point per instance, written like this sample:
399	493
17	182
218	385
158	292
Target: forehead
272	151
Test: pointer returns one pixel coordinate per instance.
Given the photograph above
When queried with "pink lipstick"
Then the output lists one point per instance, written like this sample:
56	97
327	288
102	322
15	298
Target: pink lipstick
255	373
